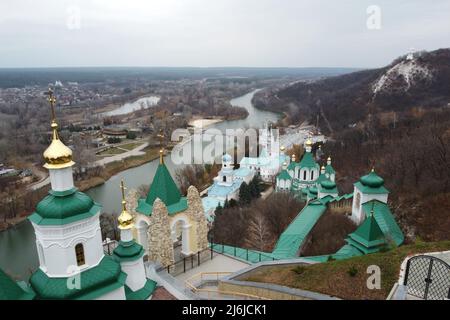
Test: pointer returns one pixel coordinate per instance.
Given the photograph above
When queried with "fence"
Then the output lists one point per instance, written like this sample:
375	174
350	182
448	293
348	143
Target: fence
242	253
109	246
190	262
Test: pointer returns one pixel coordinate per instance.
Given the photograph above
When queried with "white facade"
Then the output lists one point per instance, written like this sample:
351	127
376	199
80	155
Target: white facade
359	198
56	246
118	294
61	179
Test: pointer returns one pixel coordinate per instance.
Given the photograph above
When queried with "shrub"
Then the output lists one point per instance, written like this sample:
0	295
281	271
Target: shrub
299	269
352	272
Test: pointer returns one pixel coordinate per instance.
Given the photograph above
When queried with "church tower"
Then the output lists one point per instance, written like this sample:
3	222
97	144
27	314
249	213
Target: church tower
369	187
130	256
68	235
226	175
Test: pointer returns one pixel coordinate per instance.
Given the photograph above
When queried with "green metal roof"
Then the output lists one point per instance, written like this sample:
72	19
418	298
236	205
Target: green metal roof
371	184
142	294
385	220
145	208
368	234
128	251
11	290
163	187
292	165
308	161
107	276
59	208
284	175
295	234
329	169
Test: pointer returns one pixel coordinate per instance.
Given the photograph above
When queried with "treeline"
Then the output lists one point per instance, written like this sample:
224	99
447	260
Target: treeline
412	154
257	225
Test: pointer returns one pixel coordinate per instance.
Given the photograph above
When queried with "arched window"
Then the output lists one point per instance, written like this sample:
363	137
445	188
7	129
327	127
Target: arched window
304	175
79	252
312	175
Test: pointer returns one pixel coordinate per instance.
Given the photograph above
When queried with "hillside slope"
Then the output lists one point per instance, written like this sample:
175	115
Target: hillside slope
396	119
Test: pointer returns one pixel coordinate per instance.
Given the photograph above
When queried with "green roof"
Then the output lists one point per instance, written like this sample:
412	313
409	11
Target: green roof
163	187
368	234
292	165
371	184
59	208
128	251
284	175
329	169
295	234
145	208
385	220
11	290
142	294
308	161
107	276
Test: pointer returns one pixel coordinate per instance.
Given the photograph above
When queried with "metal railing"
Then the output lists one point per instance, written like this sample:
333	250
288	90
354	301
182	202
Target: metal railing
208	277
242	253
189	262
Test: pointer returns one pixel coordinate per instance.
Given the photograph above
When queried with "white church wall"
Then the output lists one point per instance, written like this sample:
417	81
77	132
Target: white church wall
135	270
58	257
61	179
118	294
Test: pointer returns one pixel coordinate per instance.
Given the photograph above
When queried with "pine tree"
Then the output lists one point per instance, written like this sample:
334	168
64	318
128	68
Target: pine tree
218	210
245	196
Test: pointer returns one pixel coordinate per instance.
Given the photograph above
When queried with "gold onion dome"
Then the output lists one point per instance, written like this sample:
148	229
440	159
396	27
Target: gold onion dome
125	219
282	148
309	142
57	155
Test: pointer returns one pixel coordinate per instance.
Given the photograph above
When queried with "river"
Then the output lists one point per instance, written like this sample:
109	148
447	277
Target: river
18	254
141	103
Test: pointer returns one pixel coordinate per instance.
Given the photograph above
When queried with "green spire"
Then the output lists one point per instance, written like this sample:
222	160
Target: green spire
163	187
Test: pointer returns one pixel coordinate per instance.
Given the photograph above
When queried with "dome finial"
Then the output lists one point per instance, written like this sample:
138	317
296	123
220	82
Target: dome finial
161	149
57	155
125	219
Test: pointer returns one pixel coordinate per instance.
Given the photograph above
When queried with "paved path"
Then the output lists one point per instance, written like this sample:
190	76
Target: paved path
44	179
118	157
219	263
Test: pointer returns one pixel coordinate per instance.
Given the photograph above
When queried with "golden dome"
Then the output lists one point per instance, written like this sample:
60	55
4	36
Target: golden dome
323	168
282	148
329	159
309	142
126	220
57	155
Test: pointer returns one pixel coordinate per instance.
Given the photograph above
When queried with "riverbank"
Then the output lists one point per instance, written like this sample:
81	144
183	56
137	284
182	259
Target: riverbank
110	169
202	123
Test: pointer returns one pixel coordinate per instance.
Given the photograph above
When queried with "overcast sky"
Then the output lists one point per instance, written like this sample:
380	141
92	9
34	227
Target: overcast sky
202	33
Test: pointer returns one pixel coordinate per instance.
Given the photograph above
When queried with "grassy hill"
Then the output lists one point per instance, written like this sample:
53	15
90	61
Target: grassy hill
346	279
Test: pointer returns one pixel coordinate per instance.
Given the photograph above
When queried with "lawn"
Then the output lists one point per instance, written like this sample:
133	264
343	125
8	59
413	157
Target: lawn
110	152
131	146
333	278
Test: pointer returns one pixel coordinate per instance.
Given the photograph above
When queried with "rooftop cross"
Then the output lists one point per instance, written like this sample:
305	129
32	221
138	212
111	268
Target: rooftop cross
52	100
161	150
125	219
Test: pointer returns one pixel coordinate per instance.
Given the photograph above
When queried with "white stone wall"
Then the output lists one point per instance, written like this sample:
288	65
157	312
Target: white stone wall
357	212
61	179
135	270
56	246
118	294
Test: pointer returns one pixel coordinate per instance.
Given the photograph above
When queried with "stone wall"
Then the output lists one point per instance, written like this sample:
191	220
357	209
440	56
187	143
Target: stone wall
196	214
159	235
